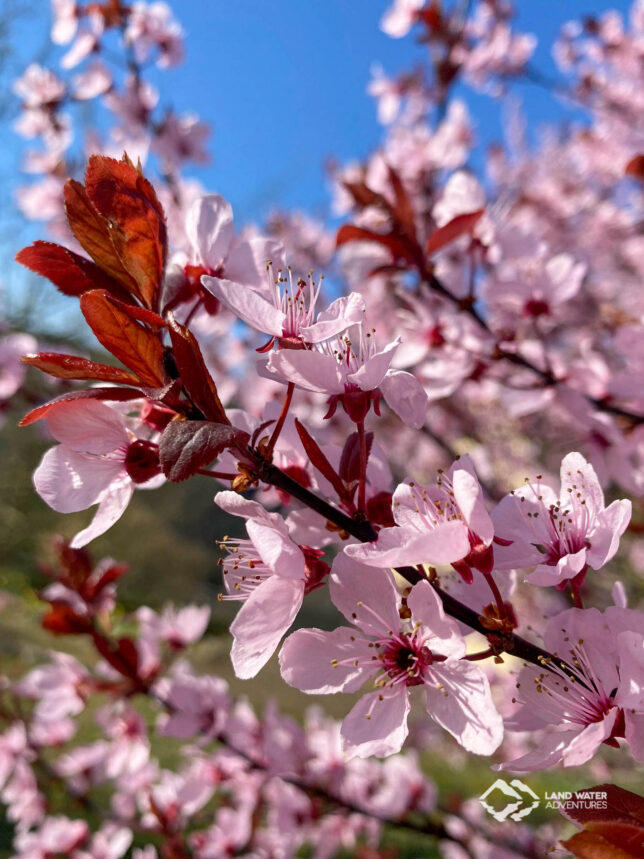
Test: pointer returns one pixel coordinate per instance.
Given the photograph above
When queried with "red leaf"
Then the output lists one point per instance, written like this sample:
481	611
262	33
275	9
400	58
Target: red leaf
398	247
124	196
319	460
350	460
403	210
115	395
133	344
141	314
364	196
73	367
186	446
92	232
61	620
593	843
621	805
452	230
635	168
124	657
71	273
194	374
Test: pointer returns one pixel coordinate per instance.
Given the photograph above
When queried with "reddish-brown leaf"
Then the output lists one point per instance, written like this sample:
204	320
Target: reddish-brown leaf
73	367
400	248
621	804
364	196
635	168
195	377
92	232
403	210
142	314
350	460
452	230
593	843
136	346
186	446
319	460
62	620
124	196
116	395
71	273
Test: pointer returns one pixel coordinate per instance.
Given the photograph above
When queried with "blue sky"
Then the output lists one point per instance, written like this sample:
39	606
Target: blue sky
283	85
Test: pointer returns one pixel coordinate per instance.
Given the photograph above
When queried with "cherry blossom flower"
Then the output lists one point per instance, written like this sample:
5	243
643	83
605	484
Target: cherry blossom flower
99	460
270	574
56	835
602	702
353	372
561	536
286	309
397	654
445	523
400	17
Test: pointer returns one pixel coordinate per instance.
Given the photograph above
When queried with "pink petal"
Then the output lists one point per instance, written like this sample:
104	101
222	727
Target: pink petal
469	497
634	734
377	724
237	505
307	660
585	745
578	475
209	228
262	621
369	376
604	539
87	425
566	568
548	754
339	315
70	481
309	370
367	598
464	706
246	261
278	551
247	304
405	396
398	546
441	633
111	507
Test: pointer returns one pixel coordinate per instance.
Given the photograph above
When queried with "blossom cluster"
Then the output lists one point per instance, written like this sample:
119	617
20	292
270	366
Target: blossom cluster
369	444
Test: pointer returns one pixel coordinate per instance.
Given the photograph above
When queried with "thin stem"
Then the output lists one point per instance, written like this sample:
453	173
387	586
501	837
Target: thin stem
482	654
220	475
362	485
280	423
498	599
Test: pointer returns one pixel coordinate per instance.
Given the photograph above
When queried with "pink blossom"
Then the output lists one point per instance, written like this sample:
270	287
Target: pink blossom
286	309
353	372
397	654
561	536
56	835
99	460
65	23
198	705
151	26
400	17
445	523
269	573
60	687
39	87
12	371
603	702
180	139
110	842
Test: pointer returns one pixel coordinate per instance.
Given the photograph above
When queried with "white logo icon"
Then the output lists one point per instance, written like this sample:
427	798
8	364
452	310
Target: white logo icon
516	792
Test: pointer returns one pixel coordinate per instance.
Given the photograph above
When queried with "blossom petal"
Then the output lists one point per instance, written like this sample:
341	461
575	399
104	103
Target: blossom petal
397	546
367	598
405	396
469	497
321	663
464	706
277	550
312	371
247	304
546	575
246	260
548	754
262	621
585	745
209	227
338	316
111	507
604	539
69	481
87	425
441	633
369	376
377	724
